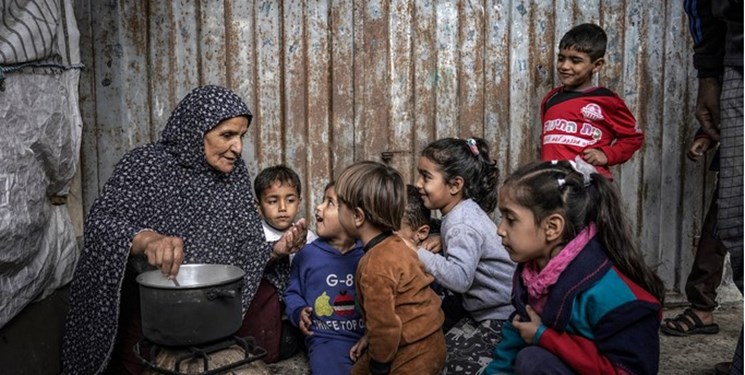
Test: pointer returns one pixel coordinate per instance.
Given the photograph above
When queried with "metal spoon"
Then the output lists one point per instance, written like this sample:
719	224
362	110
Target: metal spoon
175	282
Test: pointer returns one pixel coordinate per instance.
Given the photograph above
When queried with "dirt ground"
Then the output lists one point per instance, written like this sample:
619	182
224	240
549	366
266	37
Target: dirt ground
693	355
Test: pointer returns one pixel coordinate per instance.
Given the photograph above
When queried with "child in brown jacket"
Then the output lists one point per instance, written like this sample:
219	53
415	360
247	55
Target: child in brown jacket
402	313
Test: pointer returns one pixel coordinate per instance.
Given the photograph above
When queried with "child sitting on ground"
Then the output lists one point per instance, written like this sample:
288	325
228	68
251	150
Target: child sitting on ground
278	191
415	224
320	299
581	120
586	303
457	177
402	313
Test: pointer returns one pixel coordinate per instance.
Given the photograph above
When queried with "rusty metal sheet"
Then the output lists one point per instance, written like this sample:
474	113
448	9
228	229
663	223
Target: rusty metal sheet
333	82
471	80
241	64
401	88
446	75
213	38
318	170
342	55
424	61
268	113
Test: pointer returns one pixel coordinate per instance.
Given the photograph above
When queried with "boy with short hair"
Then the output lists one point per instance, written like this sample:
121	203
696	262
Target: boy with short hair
402	313
415	224
320	299
278	191
580	119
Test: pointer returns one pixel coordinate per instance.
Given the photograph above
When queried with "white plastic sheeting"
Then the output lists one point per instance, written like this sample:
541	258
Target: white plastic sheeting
40	133
39	147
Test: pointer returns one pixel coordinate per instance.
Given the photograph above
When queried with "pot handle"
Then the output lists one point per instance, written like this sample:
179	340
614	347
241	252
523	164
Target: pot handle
219	293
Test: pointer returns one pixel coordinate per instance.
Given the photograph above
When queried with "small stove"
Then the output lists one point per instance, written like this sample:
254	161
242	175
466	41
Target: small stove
243	351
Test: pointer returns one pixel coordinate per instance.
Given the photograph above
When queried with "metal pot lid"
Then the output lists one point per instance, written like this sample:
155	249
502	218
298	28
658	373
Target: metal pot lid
192	276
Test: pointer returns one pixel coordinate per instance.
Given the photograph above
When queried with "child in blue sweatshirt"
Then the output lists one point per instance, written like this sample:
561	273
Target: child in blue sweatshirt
320	299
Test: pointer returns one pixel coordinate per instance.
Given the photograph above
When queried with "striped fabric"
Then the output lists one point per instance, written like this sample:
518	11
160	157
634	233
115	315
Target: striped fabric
38	33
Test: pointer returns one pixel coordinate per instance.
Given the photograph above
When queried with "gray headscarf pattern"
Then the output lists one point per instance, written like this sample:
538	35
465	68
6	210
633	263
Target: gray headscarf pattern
166	186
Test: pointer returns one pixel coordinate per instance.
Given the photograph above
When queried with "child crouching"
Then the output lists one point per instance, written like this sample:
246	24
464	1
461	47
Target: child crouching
586	302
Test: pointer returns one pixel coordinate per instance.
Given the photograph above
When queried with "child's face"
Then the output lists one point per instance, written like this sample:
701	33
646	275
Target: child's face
576	69
521	237
327	216
279	204
346	220
436	193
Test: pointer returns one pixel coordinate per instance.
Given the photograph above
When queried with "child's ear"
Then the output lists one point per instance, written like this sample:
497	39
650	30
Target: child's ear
597	65
422	233
359	217
553	227
455	185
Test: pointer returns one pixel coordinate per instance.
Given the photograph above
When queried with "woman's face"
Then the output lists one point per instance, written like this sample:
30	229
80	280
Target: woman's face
224	143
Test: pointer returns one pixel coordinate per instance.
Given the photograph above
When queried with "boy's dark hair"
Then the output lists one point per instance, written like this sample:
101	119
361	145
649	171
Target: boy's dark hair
278	173
375	188
416	213
588	38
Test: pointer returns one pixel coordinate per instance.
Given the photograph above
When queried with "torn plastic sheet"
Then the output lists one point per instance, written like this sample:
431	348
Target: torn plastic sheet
40	129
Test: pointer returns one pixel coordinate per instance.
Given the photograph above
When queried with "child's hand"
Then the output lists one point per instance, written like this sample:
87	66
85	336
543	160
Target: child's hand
527	329
433	243
594	156
292	240
305	321
698	148
358	349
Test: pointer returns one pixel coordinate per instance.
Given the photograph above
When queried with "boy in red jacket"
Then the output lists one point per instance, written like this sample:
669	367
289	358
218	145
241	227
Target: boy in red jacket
581	119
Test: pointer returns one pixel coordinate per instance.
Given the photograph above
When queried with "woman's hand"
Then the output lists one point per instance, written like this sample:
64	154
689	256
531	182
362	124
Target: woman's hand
305	321
527	329
358	349
164	252
292	240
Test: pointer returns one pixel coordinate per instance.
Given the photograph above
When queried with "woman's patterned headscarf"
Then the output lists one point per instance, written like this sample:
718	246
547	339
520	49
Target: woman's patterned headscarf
168	187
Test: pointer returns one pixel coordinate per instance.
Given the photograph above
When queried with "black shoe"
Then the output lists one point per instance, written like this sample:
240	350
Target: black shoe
289	341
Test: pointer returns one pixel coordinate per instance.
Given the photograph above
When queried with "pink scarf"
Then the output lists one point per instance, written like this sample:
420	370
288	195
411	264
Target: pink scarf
538	282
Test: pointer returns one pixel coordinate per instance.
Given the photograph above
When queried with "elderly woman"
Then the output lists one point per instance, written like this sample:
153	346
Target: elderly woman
183	199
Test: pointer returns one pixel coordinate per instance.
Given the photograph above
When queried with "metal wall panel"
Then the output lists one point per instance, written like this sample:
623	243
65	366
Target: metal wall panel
332	82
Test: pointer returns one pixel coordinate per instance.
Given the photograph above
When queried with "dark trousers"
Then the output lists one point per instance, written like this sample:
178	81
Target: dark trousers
534	360
708	264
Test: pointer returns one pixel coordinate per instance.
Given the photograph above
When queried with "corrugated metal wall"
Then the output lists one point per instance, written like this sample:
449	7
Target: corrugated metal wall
332	82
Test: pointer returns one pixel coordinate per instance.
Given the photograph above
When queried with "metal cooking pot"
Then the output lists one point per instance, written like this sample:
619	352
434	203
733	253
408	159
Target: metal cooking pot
204	304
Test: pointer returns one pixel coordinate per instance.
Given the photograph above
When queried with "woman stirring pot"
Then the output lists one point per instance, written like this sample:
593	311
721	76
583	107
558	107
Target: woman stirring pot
185	198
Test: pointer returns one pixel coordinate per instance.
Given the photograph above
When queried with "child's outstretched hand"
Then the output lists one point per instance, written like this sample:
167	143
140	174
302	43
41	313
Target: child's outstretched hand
527	329
305	321
358	349
594	156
